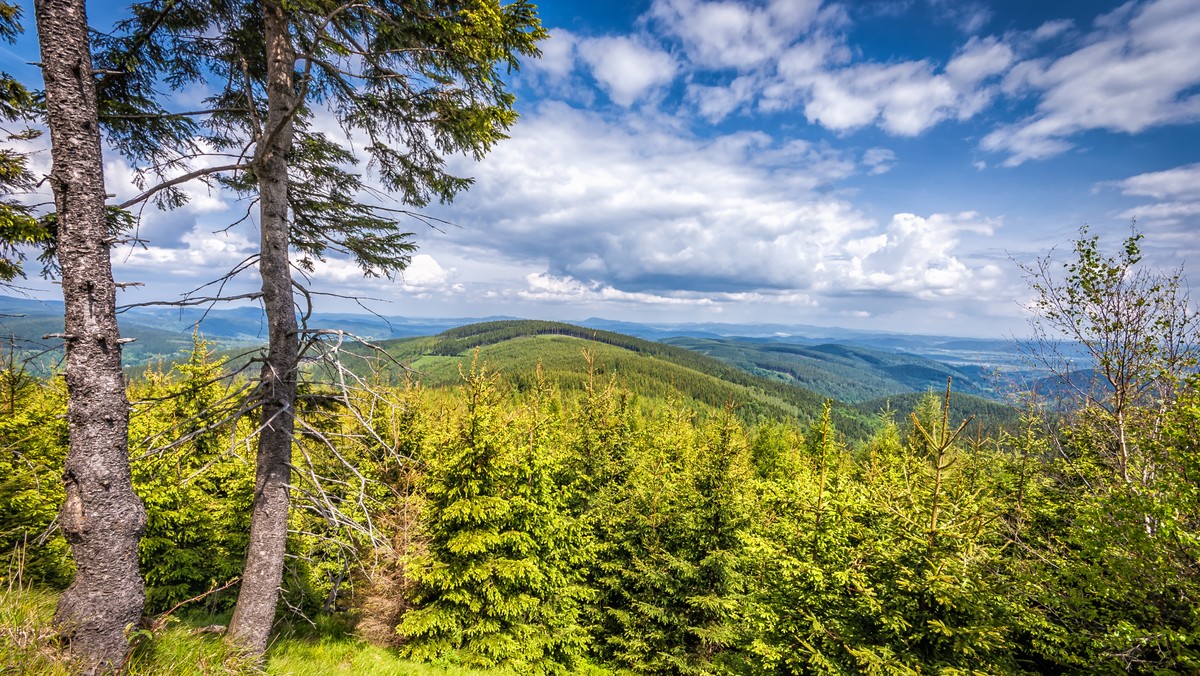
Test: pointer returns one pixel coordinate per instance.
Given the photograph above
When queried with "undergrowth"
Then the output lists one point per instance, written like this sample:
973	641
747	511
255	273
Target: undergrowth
29	646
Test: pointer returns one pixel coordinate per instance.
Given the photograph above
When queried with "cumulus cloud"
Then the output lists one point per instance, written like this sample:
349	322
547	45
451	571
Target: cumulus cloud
627	68
424	271
1138	68
644	213
715	103
916	255
789	55
733	35
904	98
558	55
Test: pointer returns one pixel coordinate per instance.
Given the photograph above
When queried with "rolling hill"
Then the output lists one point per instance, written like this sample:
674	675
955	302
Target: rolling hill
652	370
849	373
765	376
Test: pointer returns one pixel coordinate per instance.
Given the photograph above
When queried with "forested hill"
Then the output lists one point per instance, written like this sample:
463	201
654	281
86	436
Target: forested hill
649	369
849	373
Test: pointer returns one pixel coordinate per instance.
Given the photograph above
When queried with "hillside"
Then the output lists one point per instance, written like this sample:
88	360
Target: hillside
24	322
652	370
849	373
988	418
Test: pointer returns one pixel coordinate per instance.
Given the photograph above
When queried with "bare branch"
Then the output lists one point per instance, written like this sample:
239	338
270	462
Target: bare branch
178	180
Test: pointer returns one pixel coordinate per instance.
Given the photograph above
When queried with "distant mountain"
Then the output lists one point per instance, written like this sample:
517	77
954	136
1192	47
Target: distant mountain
167	330
846	372
774	373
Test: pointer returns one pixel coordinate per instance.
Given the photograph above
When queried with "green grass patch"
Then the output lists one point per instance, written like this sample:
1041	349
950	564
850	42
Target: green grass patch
28	646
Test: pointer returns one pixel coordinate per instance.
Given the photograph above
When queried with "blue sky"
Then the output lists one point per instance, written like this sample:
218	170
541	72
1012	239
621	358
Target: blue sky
872	164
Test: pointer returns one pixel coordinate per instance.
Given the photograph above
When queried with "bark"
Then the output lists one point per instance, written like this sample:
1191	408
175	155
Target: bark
102	518
259	592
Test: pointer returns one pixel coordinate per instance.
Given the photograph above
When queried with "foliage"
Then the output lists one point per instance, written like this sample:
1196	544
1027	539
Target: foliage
1140	330
533	521
667	569
418	80
1116	570
33	443
196	486
18	225
498	584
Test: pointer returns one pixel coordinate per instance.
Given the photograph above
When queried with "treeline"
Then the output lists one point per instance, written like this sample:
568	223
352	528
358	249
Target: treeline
541	528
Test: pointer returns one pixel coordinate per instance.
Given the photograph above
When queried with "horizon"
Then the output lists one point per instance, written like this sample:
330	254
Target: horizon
865	166
796	329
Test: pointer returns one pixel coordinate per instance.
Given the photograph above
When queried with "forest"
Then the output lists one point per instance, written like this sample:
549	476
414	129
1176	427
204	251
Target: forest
524	496
525	516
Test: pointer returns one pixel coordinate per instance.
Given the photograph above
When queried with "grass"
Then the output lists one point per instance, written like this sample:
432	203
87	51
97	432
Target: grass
28	646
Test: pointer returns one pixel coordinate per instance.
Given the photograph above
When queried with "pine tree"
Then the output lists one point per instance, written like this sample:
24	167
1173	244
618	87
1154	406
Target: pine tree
499	585
418	79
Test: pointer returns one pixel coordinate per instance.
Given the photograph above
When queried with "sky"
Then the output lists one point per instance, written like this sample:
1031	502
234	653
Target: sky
876	164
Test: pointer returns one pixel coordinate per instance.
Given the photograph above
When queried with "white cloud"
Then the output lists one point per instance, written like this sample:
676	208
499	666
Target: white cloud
1180	182
424	271
558	54
904	98
1178	207
643	213
626	67
917	255
1136	70
199	254
879	160
567	289
1052	29
978	60
716	103
729	34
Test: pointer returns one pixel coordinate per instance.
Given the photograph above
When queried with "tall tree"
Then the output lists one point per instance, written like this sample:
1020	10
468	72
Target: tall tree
419	79
101	515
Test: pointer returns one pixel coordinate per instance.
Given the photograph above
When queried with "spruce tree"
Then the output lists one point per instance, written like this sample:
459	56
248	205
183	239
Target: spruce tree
500	583
101	516
418	80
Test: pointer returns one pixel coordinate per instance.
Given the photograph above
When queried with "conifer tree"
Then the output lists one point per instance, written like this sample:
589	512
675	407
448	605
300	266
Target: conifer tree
196	489
500	582
417	79
101	516
669	579
804	554
936	595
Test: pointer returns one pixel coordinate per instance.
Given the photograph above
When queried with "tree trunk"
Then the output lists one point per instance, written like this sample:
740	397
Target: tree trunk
102	518
259	593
